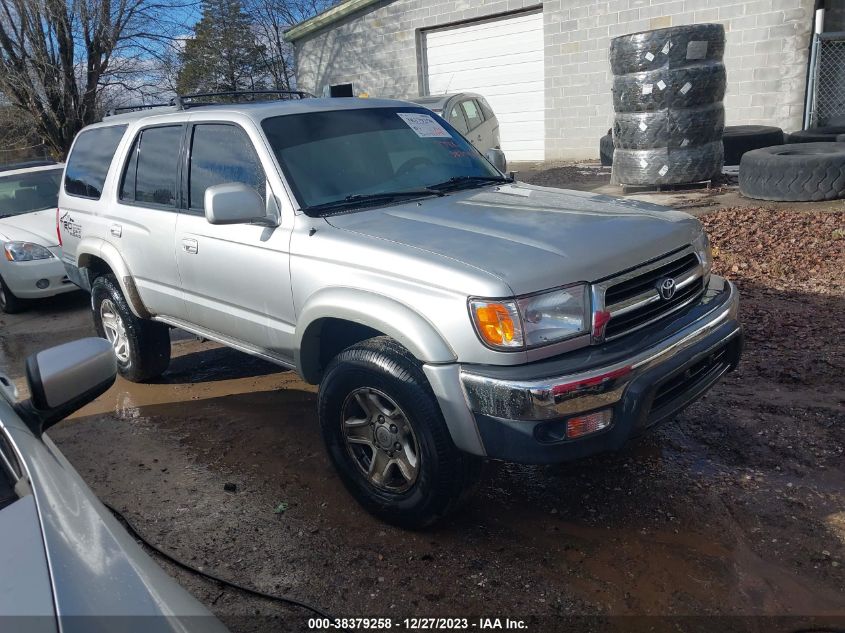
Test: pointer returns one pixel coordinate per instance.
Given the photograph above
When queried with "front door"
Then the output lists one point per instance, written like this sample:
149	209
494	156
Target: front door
235	278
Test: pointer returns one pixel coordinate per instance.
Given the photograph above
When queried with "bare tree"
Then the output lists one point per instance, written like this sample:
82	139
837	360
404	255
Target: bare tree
270	19
58	56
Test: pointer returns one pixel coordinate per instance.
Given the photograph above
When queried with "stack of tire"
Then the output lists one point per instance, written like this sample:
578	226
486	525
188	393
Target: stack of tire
667	93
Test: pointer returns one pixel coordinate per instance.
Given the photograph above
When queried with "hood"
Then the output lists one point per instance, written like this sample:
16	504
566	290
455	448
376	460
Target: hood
38	227
533	238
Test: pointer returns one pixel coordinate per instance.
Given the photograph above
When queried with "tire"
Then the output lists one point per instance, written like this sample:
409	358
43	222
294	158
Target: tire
381	368
606	150
142	347
794	173
840	138
664	89
9	303
667	166
669	128
816	135
738	139
672	47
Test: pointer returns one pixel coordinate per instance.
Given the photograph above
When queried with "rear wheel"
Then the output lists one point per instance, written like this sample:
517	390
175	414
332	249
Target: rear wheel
9	303
142	347
386	436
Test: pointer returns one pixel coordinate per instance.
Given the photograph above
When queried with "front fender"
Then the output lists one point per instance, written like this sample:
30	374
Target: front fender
379	312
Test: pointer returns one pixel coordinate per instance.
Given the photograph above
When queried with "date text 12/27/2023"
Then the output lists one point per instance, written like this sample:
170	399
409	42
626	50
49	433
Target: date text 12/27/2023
416	624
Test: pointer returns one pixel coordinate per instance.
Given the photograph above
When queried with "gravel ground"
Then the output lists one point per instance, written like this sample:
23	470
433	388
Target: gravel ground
737	508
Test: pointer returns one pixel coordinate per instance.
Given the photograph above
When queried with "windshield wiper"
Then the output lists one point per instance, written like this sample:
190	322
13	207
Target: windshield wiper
459	181
372	198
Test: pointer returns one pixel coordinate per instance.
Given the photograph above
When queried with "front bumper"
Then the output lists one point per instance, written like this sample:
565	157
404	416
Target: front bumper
644	379
23	278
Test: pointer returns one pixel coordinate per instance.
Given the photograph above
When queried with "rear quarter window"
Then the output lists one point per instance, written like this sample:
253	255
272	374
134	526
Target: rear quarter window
89	161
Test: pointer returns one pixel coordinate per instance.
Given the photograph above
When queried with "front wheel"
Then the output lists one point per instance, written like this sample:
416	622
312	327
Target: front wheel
387	438
9	303
142	347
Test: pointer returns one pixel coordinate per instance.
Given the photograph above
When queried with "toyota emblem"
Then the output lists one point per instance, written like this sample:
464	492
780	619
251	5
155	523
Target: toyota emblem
666	287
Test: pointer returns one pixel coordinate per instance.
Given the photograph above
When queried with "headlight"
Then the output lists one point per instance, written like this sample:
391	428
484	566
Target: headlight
704	252
25	251
534	320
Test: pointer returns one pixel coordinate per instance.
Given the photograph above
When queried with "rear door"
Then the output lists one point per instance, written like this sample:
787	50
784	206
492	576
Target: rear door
235	278
144	219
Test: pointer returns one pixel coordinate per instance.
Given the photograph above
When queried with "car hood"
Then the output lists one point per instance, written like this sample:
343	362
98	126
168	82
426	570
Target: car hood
532	238
38	227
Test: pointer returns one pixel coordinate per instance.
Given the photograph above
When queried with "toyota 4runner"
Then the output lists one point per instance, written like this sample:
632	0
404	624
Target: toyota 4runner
448	313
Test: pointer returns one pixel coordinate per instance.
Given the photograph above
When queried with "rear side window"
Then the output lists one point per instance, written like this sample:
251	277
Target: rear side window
474	116
90	159
220	154
456	118
151	170
485	109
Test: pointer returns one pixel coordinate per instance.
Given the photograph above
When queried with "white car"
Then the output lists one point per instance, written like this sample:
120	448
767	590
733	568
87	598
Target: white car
30	260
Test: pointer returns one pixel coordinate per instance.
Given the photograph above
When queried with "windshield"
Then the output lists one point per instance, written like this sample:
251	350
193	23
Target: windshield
350	155
31	191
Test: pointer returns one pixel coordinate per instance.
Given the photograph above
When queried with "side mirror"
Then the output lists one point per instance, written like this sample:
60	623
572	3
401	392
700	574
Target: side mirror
497	158
234	203
65	378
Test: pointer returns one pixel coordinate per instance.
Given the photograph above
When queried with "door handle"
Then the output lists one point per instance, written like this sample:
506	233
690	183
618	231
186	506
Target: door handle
116	230
190	246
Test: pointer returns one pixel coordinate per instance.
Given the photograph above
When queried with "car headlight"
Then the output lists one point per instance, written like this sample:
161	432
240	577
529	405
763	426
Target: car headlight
533	320
25	251
704	252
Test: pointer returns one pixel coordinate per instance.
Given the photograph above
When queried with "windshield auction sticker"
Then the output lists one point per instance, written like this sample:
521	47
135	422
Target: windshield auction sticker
424	125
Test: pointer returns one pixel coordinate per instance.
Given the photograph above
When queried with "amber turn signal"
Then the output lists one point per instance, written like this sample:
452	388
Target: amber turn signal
497	323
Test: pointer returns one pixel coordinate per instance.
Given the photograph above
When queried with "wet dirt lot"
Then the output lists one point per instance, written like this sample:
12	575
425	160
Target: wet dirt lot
737	508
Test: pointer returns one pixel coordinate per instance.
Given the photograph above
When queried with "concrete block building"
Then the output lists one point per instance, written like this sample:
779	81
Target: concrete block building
543	65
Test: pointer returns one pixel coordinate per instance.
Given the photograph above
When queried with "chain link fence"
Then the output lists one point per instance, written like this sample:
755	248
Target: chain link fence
827	79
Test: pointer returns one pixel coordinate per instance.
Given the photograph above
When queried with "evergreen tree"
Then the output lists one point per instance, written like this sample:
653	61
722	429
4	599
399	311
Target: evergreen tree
223	54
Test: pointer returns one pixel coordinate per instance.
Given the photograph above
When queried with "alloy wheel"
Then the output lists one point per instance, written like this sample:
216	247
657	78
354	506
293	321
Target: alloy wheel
115	330
380	439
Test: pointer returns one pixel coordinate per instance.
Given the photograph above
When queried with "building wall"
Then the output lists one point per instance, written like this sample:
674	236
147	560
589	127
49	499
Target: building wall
766	56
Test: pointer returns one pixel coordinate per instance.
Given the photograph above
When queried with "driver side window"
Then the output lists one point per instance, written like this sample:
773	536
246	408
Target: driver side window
221	153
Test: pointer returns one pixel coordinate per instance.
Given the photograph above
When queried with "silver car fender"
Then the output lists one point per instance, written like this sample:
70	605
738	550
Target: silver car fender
373	310
91	247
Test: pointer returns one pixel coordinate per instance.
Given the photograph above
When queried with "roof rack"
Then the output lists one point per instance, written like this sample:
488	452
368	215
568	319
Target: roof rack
184	102
136	107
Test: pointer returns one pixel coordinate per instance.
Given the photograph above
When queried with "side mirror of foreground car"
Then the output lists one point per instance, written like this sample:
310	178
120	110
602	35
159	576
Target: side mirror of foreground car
234	203
65	378
497	158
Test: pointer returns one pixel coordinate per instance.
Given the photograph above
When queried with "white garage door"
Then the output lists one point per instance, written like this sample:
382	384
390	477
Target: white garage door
502	60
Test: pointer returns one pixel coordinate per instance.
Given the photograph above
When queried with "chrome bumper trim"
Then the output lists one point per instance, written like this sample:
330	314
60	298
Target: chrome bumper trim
559	396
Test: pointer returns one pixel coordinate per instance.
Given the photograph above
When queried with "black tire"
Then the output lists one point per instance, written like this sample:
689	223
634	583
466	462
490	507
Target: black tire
816	135
794	173
445	475
9	303
840	138
687	87
667	166
672	47
147	349
606	149
669	128
738	139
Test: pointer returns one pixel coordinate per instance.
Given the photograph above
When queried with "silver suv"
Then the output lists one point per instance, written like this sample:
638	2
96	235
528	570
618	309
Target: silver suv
448	313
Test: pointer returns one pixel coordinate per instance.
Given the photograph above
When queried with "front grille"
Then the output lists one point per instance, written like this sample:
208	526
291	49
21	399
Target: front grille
642	289
687	380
